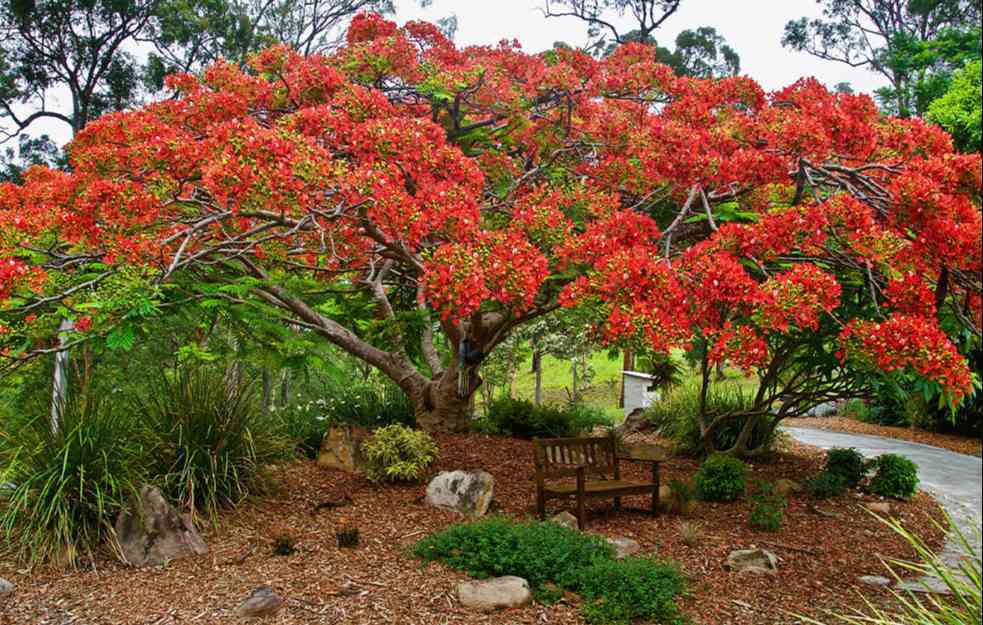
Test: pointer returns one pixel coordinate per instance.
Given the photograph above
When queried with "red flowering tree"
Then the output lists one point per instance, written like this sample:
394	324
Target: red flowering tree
464	192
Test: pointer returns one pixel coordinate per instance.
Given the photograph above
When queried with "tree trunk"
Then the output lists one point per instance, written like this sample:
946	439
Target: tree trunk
573	368
537	364
439	406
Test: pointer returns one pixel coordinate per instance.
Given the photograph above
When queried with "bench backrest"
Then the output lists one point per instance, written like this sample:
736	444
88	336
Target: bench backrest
560	457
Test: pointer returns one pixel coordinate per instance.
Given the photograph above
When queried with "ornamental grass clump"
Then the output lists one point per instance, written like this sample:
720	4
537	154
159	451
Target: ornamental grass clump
396	453
68	484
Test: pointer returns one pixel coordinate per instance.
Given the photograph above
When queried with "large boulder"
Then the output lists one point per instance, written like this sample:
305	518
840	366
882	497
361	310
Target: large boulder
467	492
758	561
151	532
495	593
6	587
341	448
634	422
786	487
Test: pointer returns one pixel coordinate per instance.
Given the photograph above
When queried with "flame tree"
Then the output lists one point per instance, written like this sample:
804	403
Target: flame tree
460	193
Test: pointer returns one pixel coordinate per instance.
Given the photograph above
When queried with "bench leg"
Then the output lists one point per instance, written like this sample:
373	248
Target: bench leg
617	504
541	505
655	489
581	512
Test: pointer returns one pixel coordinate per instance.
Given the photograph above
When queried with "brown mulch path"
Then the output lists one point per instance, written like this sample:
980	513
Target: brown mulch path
379	582
952	442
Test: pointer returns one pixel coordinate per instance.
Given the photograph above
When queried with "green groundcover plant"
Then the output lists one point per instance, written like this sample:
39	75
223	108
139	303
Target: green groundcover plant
553	558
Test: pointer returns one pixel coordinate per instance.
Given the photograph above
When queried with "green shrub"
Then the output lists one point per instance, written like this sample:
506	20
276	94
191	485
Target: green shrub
619	591
214	439
826	485
767	509
522	418
895	476
848	464
676	416
68	485
720	478
368	404
552	557
683	496
538	552
396	453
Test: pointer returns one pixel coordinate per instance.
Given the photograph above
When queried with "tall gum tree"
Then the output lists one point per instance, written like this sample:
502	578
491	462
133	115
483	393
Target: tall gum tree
413	203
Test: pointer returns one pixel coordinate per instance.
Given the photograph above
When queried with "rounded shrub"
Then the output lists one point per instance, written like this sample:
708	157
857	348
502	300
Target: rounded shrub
826	485
767	509
396	453
895	476
848	464
721	478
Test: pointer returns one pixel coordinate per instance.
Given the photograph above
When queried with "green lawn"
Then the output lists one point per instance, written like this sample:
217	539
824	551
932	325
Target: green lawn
605	388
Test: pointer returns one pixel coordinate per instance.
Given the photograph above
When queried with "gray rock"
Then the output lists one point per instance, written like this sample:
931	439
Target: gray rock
757	561
151	532
262	602
565	519
874	580
624	547
823	410
495	593
467	492
6	587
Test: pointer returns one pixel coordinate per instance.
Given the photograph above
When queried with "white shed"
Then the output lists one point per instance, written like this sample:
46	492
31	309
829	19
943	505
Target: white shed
640	390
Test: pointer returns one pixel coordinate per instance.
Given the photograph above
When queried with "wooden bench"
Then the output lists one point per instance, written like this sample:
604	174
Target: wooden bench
595	464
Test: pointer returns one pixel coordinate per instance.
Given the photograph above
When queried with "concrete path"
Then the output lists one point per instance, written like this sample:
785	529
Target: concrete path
955	480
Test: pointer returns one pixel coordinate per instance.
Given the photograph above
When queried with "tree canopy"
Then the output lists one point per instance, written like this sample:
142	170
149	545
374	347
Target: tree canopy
400	190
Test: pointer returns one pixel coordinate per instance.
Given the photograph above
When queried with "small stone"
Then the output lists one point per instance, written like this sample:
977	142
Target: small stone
624	547
565	519
468	492
879	507
665	497
874	580
495	593
262	602
6	587
785	487
757	561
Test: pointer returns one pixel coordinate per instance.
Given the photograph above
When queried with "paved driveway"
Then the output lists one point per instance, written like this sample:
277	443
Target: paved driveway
955	480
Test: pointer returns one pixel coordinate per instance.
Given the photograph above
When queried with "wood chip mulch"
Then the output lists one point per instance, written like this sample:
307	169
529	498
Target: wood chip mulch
821	553
953	442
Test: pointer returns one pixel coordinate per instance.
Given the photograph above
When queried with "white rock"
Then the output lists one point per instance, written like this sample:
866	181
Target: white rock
468	492
874	580
6	587
758	561
565	519
495	593
624	547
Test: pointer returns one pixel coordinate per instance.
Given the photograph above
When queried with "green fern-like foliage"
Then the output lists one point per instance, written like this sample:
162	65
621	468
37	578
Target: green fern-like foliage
396	453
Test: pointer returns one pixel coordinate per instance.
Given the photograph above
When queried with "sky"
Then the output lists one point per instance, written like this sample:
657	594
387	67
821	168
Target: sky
752	27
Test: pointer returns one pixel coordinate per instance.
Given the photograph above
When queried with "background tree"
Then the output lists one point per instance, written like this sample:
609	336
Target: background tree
893	38
79	48
188	35
958	109
646	15
401	190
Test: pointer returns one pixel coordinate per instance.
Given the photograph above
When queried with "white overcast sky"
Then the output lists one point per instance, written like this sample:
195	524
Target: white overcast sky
753	28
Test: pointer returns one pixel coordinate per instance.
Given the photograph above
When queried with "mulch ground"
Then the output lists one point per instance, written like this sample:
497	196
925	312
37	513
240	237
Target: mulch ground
379	582
952	442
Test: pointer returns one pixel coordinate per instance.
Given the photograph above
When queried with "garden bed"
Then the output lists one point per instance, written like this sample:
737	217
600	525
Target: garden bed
821	556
